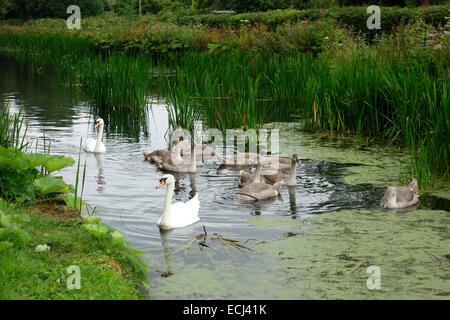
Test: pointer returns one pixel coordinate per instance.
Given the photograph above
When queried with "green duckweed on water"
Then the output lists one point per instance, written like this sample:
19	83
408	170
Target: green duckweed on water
323	257
329	261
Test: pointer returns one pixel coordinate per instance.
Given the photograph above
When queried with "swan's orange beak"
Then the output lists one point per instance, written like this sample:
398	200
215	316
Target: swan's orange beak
161	183
96	125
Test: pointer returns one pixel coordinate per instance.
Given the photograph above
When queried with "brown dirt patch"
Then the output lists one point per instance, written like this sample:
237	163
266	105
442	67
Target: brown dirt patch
115	265
56	208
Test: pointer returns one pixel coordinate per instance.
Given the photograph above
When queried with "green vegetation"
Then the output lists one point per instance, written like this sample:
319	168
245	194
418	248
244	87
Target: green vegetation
25	9
10	130
21	178
390	85
269	62
108	268
40	236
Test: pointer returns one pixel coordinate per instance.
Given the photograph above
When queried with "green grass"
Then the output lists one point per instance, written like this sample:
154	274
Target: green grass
108	271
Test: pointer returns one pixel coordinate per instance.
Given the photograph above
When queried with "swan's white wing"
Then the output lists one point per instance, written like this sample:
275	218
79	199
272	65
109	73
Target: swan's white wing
101	148
90	145
185	213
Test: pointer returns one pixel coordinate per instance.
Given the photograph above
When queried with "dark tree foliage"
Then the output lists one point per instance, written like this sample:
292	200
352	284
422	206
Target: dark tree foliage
25	9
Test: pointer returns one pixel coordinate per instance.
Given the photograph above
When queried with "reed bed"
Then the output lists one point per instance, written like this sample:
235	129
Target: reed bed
13	129
368	93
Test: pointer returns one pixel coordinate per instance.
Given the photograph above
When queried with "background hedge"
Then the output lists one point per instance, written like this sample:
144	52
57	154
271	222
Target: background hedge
25	9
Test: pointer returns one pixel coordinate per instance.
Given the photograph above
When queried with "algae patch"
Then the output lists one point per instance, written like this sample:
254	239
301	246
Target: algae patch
271	222
328	261
331	262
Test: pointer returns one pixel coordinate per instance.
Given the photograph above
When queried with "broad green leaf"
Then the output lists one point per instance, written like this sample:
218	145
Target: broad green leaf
38	159
97	230
69	199
48	184
58	163
5	157
117	237
13	158
117	234
93	219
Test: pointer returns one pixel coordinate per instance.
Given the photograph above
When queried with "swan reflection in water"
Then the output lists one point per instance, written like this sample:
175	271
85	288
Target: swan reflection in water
292	201
100	175
173	241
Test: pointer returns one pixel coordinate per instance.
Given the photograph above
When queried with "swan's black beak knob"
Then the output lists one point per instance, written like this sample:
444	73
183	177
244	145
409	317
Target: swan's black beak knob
161	183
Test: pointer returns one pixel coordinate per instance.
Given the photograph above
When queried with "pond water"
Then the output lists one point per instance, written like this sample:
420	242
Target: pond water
315	241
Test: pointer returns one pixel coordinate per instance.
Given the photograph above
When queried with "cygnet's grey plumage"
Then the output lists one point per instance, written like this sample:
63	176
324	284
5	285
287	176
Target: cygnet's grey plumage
401	197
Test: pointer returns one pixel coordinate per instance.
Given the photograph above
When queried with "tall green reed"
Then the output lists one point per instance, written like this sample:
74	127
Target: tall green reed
375	95
74	201
13	129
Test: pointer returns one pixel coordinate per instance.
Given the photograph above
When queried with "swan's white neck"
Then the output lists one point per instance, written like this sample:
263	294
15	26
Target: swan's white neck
99	136
167	203
291	179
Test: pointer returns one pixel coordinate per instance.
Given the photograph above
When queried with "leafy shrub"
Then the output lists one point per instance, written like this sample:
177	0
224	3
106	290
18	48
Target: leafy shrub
10	230
305	38
271	18
400	3
308	4
390	17
251	5
20	177
6	6
127	7
54	9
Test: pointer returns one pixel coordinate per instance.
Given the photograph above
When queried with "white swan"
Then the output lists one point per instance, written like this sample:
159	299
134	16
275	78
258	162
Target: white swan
96	145
178	214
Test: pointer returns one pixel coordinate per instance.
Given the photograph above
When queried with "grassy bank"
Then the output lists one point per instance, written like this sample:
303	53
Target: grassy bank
108	270
391	87
42	232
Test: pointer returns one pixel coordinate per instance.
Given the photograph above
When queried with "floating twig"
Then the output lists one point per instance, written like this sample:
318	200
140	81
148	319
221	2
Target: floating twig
361	265
443	261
